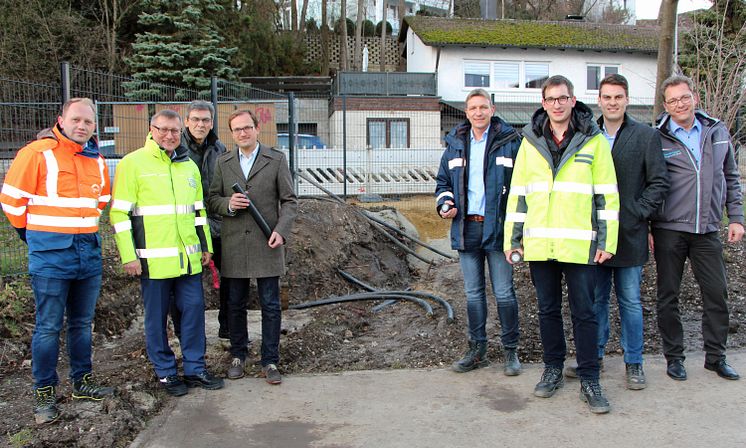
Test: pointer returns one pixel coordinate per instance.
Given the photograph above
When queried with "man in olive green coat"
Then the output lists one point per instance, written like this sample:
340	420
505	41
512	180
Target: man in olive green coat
247	253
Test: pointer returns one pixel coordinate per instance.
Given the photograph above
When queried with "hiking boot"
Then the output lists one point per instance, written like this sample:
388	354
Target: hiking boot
86	389
512	364
235	371
473	359
45	405
591	393
571	371
635	377
204	380
551	380
174	385
271	374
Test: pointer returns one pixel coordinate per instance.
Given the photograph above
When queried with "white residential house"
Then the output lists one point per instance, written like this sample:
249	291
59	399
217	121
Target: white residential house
511	58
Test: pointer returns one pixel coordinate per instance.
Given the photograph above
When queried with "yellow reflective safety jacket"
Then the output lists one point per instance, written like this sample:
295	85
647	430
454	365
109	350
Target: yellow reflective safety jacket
158	212
568	212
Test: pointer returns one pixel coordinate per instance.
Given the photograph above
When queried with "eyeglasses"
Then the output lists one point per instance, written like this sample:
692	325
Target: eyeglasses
196	120
684	100
164	131
239	131
561	100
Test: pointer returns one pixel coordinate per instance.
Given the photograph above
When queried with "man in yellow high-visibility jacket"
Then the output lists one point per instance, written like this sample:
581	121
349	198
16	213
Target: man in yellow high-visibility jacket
563	217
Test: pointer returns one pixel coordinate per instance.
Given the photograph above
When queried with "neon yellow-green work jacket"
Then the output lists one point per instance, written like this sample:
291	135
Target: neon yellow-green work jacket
158	212
564	213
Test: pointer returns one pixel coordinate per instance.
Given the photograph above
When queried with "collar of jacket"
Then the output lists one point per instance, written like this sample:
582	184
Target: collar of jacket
181	152
627	120
499	129
661	122
57	134
187	139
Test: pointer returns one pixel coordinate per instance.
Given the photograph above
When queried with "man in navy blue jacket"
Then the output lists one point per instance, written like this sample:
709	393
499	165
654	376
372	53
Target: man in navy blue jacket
472	190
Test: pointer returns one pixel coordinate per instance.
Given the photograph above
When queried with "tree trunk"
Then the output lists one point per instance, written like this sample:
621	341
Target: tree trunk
357	59
667	20
294	15
343	65
303	13
383	36
324	41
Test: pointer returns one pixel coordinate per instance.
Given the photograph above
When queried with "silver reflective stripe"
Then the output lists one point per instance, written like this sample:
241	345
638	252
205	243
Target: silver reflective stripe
15	193
120	204
158	253
515	217
53	171
199	205
153	210
573	187
193	249
61	221
104	198
455	163
101	166
15	211
504	161
200	221
518	190
605	188
445	194
63	202
123	226
608	215
549	232
537	187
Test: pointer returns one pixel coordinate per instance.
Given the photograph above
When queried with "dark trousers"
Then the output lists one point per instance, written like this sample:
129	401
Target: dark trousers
705	252
157	294
268	289
581	282
223	307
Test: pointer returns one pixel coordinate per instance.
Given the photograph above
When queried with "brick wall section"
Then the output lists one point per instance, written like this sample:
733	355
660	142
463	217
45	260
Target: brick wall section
313	54
392	103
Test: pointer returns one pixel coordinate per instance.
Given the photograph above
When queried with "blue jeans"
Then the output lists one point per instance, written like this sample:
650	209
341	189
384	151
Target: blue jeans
501	277
186	291
627	287
581	282
53	297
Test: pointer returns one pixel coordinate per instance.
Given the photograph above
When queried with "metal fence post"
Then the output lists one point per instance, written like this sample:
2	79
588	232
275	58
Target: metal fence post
65	81
214	99
291	132
344	146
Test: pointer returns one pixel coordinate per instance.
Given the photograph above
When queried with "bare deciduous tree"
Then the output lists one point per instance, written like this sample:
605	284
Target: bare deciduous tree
383	36
357	59
718	67
667	20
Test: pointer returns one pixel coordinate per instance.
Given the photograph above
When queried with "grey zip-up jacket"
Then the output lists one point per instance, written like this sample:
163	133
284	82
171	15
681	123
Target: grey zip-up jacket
699	193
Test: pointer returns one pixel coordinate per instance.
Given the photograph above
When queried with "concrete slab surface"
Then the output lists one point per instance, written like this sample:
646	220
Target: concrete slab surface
439	408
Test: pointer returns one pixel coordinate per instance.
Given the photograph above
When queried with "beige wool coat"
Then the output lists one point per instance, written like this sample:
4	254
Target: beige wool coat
270	187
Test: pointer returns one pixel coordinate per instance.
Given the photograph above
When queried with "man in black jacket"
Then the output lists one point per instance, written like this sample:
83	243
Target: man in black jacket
204	148
642	179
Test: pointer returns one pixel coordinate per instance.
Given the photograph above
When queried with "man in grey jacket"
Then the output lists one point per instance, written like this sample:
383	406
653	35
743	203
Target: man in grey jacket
704	179
642	179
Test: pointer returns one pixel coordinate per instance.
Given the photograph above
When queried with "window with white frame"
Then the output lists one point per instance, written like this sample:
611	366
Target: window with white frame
501	75
388	132
476	74
596	72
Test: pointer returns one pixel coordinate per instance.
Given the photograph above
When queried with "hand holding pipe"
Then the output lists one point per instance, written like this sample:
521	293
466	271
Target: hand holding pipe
258	218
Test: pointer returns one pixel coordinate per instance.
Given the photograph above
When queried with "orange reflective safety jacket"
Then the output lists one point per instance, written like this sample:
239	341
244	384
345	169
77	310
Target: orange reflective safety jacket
53	187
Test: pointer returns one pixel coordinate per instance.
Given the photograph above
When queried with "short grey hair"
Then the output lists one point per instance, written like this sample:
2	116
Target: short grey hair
166	113
675	80
479	92
200	105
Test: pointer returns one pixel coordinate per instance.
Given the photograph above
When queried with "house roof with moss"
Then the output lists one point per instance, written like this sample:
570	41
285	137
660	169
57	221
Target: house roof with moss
444	32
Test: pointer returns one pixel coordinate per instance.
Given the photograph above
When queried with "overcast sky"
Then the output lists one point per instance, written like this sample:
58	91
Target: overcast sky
648	9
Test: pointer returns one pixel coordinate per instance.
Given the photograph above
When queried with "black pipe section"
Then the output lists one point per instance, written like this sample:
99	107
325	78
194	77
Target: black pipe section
254	212
405	234
363	297
444	303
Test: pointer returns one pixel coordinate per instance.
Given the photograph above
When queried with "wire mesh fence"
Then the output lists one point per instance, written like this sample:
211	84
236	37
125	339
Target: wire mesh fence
383	146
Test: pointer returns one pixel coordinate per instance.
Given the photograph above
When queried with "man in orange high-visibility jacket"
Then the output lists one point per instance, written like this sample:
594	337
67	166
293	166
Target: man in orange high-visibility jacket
53	195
